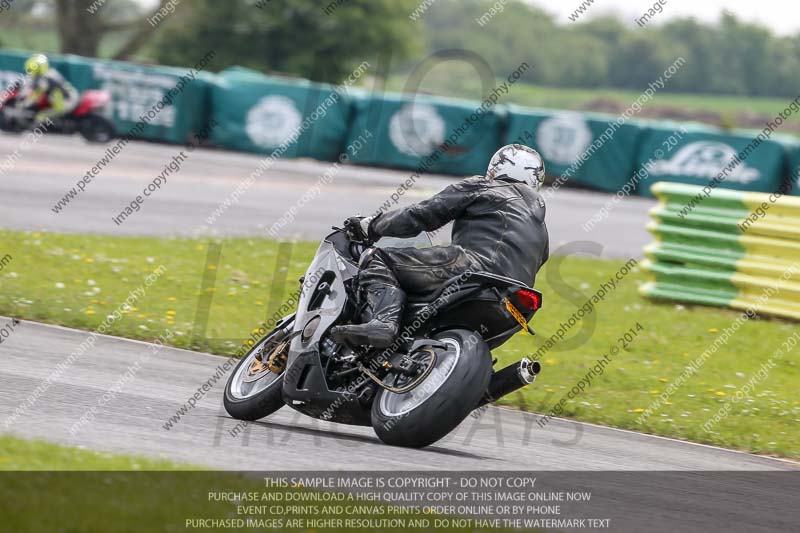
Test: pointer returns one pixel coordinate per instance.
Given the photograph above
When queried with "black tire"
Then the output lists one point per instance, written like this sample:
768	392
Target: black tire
440	411
262	403
7	125
96	129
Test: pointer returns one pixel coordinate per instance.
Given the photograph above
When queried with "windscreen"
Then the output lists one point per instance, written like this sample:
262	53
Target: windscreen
423	240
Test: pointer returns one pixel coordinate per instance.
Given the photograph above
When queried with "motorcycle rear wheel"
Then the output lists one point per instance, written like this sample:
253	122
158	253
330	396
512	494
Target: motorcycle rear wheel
253	391
442	400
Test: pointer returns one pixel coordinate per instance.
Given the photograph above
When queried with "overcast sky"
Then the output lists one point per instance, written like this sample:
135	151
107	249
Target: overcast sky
782	16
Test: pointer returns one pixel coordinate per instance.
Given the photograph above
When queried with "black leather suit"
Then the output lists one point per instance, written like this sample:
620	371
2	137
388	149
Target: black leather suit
498	227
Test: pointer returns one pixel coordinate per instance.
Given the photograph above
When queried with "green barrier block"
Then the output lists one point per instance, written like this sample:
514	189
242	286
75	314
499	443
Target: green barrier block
298	118
708	258
669	252
727	201
12	66
589	149
700	155
693	281
717	222
688	293
794	169
425	133
138	94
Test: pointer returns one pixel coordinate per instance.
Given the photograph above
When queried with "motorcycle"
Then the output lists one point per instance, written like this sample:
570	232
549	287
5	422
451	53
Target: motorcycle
85	119
413	393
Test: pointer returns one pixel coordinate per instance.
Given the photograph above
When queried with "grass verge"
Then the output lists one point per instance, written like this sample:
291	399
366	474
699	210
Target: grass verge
100	492
35	455
77	281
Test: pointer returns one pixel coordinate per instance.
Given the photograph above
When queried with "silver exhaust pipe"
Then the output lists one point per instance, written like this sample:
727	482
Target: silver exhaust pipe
528	370
510	379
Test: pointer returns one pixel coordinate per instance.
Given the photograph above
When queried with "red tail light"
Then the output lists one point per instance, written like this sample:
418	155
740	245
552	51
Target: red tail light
529	299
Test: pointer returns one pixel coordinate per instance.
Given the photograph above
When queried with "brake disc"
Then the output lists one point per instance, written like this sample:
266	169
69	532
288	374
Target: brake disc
410	386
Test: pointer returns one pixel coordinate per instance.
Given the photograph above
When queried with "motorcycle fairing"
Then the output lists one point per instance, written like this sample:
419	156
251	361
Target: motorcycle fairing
322	301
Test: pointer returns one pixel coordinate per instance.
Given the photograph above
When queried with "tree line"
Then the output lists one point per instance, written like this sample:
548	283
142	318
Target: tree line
304	38
732	56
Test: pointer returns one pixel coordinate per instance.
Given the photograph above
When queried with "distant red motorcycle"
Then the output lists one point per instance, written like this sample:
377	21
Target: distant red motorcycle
85	119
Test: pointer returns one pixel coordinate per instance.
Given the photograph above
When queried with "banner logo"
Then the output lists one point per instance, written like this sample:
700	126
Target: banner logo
706	160
134	92
417	129
563	138
273	121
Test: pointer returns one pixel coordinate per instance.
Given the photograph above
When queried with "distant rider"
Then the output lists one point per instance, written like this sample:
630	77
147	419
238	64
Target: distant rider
498	227
44	81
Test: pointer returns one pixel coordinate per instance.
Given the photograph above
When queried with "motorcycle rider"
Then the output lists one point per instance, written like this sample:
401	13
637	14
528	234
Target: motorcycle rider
43	81
498	227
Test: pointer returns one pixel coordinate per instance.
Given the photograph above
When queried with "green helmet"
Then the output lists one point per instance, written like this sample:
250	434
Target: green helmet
37	65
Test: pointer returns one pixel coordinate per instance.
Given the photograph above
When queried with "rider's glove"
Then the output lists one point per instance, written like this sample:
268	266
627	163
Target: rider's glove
359	230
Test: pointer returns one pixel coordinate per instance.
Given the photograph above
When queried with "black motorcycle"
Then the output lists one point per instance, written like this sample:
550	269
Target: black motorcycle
414	392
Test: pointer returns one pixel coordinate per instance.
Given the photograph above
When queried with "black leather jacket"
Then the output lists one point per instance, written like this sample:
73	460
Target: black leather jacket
500	224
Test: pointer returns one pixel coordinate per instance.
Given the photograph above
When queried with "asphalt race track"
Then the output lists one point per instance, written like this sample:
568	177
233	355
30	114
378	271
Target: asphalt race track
42	173
133	421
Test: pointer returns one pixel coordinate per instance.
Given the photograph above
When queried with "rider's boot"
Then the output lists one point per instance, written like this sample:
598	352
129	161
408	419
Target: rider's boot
385	309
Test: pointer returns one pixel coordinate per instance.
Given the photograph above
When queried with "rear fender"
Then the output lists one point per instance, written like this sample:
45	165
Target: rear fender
92	101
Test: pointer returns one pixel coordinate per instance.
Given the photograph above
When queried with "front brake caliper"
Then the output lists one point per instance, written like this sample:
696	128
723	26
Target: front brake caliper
276	361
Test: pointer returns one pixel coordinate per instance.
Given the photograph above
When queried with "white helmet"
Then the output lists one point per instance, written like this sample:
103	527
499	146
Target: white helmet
517	162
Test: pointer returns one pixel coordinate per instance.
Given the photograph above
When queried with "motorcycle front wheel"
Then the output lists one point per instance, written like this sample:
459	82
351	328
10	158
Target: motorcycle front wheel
438	404
254	390
8	125
96	129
